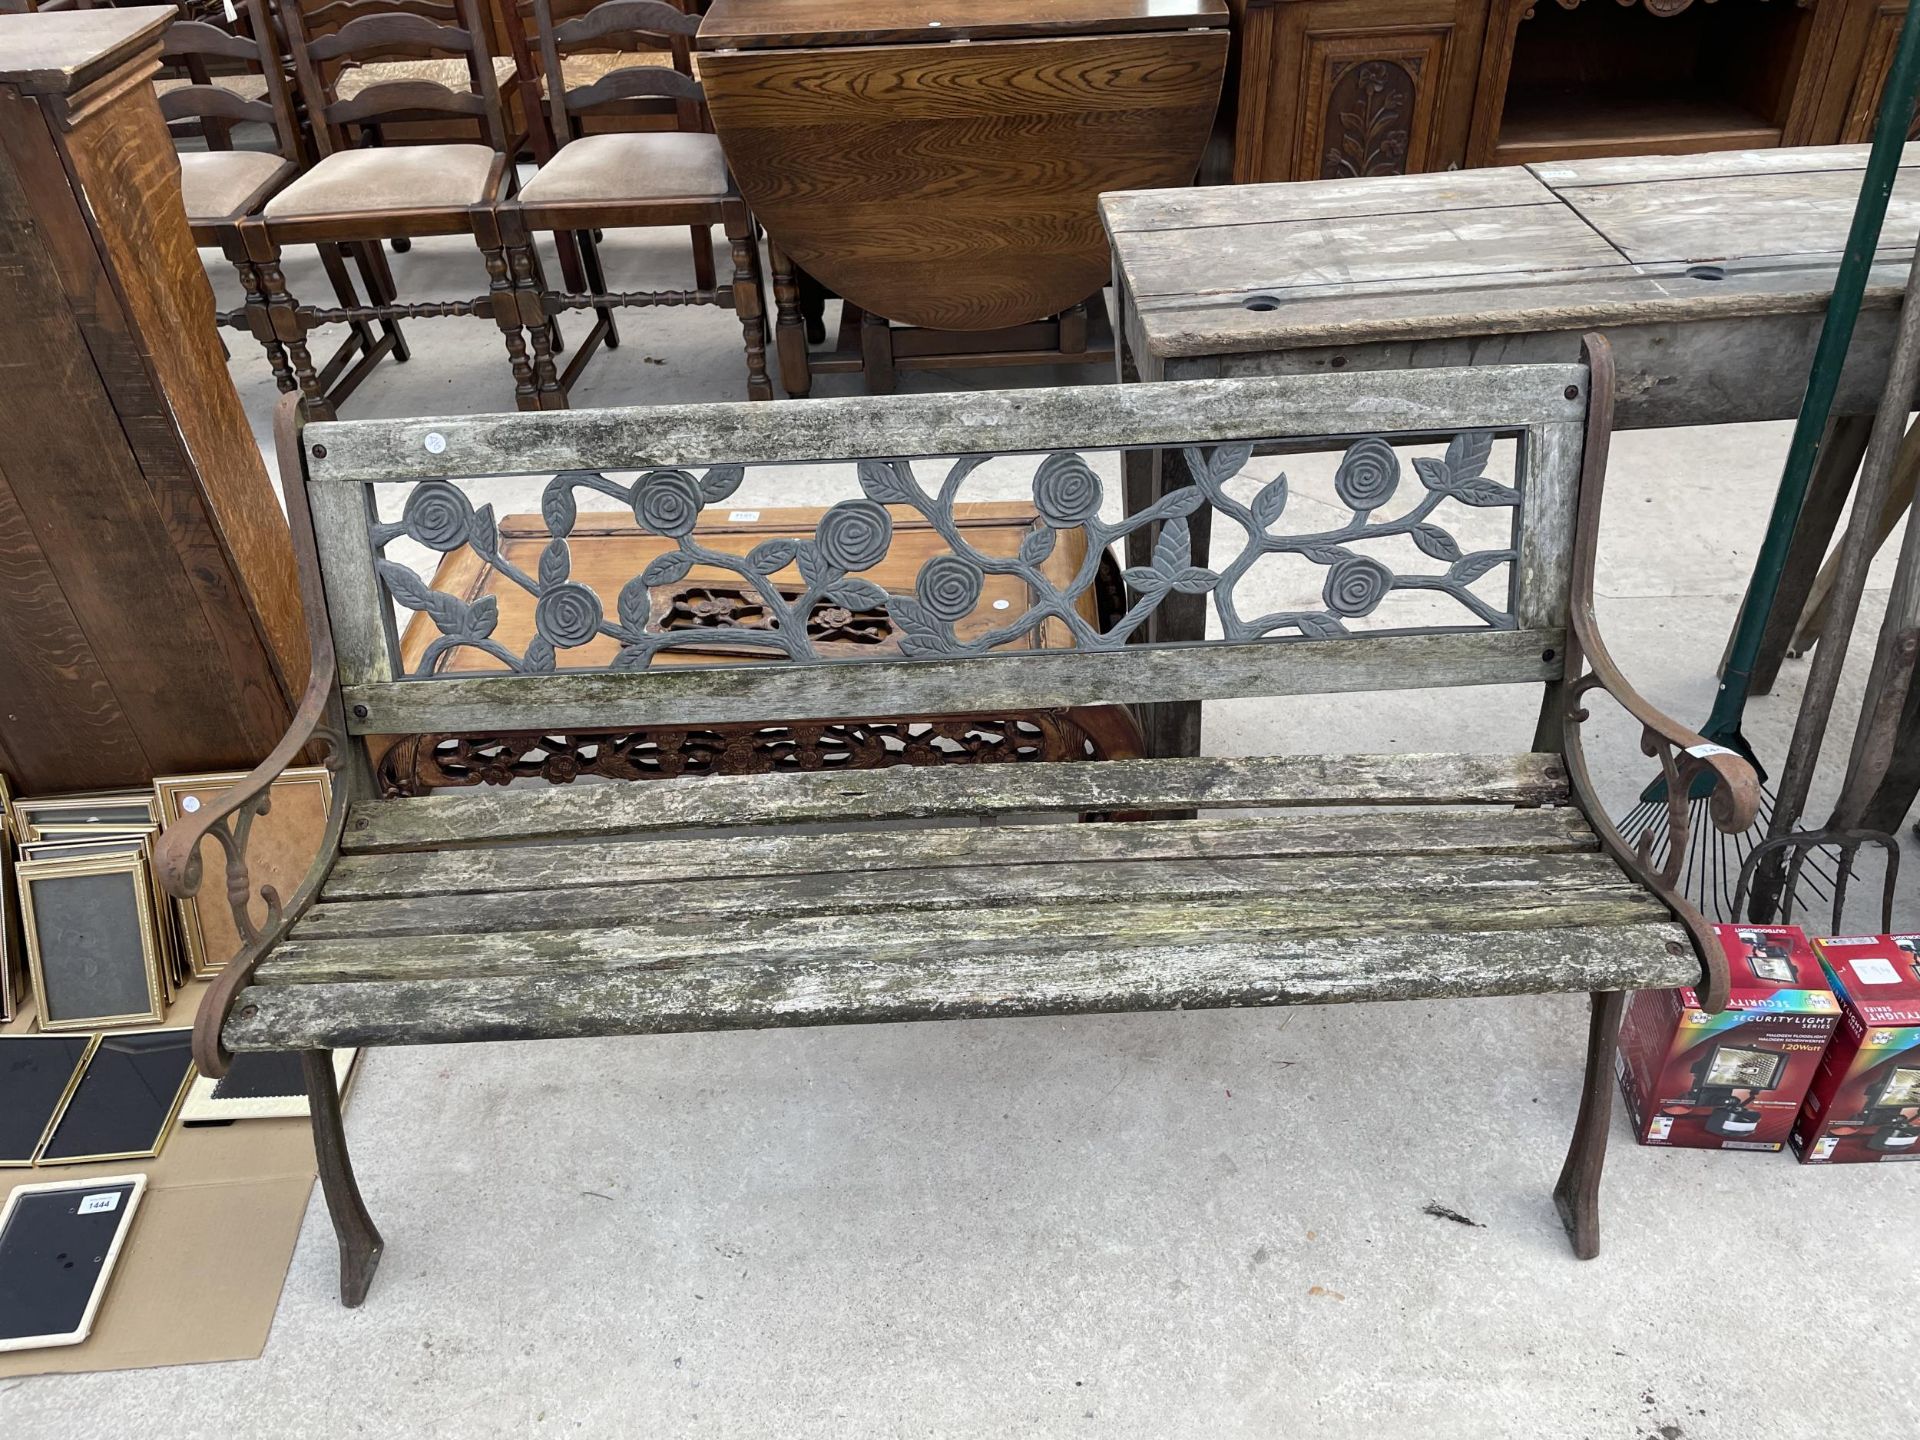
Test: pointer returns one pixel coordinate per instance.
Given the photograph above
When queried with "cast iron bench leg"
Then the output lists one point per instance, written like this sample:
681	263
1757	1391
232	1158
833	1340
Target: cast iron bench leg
360	1243
1577	1196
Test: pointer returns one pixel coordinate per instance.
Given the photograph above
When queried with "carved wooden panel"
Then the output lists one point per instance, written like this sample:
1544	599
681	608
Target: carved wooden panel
1368	120
1337	88
1370	107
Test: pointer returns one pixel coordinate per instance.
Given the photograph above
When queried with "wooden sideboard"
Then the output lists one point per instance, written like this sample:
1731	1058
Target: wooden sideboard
1331	89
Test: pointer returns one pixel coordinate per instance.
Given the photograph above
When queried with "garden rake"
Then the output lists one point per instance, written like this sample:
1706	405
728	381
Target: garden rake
1715	863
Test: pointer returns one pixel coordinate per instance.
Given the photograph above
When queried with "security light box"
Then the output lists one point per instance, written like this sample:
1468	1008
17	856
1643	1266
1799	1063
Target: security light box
1732	1080
1864	1104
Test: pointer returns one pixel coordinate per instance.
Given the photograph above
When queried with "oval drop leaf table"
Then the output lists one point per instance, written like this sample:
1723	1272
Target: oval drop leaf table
938	163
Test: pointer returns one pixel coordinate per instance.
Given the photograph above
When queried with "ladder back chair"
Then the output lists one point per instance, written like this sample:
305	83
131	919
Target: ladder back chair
226	80
618	179
379	192
351	75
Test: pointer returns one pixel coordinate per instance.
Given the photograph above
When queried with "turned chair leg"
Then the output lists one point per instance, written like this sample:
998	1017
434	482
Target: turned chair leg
750	303
283	316
506	314
1577	1195
528	287
360	1243
260	323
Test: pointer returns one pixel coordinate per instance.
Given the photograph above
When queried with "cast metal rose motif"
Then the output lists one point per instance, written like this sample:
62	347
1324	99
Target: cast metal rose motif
785	581
568	614
1356	585
667	502
1066	492
854	535
437	515
1369	473
948	587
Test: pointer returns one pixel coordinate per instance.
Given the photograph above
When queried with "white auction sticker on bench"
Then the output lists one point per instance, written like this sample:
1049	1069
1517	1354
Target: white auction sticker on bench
1707	752
742	517
104	1203
1873	970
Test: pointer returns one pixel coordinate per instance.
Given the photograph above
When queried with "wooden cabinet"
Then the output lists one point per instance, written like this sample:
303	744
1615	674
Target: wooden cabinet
1334	88
1862	51
150	621
1342	88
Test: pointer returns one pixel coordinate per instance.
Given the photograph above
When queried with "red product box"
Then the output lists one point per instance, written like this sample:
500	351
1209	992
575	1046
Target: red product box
1864	1104
1732	1080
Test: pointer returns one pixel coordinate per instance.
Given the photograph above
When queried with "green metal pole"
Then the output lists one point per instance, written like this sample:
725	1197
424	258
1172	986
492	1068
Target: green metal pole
1889	135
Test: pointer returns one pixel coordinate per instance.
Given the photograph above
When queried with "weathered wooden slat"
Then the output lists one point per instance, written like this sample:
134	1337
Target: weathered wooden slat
1268	255
357	608
1556	306
1748	216
1097	417
1126	212
927	933
904	792
1052	979
1481	830
1638	169
1738	353
1324	890
1550	494
711	694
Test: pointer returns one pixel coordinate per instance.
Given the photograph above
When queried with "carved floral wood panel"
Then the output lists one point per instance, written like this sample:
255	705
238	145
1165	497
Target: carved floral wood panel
1369	121
1381	492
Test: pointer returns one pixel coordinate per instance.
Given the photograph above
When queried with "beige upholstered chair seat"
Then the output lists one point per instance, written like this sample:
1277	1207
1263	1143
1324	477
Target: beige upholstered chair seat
215	184
647	166
450	71
398	177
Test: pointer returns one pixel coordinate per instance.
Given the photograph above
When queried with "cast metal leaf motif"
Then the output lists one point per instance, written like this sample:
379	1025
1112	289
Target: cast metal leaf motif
853	537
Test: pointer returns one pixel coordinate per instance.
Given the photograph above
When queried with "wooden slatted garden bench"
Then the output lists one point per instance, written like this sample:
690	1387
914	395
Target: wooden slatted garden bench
1456	549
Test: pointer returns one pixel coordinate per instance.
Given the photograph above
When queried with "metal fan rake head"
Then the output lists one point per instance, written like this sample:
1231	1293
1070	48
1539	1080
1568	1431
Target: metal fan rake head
1718	867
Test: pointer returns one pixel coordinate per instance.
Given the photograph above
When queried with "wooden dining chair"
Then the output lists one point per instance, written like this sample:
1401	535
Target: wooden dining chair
383	192
618	179
221	80
350	75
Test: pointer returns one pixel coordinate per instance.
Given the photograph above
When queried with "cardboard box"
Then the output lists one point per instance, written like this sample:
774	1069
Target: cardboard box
1732	1080
1864	1104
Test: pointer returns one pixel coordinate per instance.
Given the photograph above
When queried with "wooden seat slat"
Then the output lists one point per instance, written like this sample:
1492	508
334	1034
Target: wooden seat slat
1481	829
481	817
880	930
1055	978
1320	890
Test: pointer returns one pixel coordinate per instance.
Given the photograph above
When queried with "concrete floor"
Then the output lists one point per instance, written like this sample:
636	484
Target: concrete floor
1200	1224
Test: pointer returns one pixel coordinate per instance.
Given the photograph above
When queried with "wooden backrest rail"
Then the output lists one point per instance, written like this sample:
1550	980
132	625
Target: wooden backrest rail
1426	457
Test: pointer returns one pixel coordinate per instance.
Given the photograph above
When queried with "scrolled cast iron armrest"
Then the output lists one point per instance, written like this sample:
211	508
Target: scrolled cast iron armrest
1685	756
229	820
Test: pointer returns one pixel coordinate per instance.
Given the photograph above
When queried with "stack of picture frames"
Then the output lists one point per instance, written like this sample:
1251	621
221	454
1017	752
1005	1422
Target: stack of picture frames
103	946
97	955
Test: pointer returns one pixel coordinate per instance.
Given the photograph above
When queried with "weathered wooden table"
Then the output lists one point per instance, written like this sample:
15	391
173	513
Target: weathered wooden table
1709	274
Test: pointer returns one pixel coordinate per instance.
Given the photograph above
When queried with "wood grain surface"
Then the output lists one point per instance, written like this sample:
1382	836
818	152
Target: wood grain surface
955	186
787	24
156	593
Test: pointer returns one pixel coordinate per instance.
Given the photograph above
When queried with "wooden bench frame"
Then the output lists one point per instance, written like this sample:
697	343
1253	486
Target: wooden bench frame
1559	414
